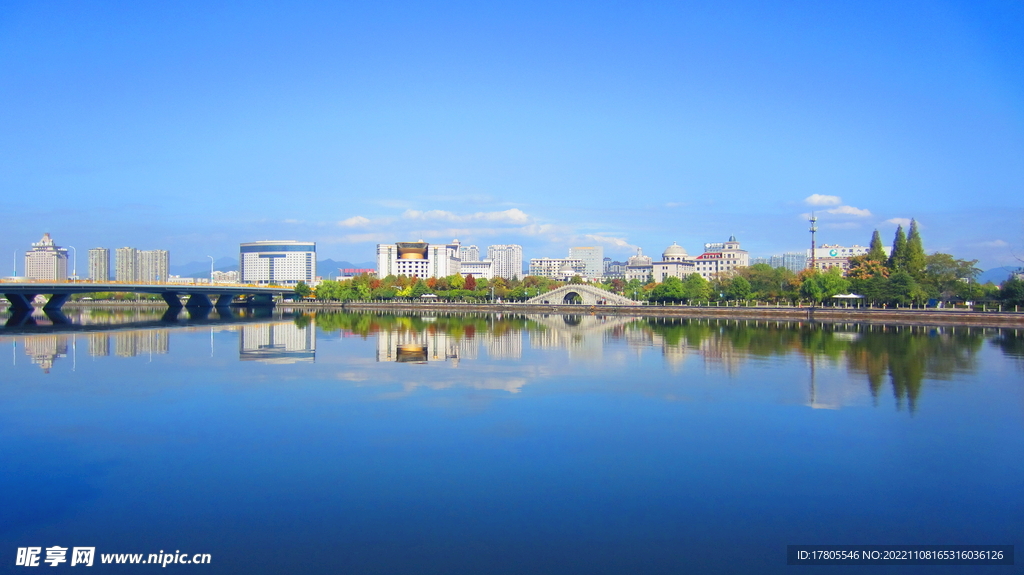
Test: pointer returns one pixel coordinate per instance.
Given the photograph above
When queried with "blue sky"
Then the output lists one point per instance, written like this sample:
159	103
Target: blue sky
193	126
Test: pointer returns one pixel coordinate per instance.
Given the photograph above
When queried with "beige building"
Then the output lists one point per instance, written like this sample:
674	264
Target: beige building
834	255
719	258
46	261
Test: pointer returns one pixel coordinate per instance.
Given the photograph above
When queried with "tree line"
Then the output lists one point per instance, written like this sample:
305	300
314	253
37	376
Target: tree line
907	275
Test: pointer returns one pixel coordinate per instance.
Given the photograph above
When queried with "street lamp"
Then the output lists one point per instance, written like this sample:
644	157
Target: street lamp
74	263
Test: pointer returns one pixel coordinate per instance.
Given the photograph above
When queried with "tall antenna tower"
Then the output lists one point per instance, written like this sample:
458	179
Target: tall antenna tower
814	229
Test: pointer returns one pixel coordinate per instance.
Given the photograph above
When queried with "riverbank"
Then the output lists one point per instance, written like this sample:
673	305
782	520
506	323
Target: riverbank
818	314
929	316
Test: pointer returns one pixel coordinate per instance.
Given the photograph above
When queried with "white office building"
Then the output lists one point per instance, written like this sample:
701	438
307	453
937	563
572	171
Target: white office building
508	260
283	263
419	259
834	255
46	261
556	268
592	258
481	269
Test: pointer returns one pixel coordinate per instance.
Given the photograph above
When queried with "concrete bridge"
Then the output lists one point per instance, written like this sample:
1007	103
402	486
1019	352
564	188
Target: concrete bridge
580	293
21	294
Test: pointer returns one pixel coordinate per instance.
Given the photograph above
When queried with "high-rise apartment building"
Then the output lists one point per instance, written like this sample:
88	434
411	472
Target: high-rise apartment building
508	260
46	261
99	264
140	266
153	266
126	264
284	263
593	260
469	253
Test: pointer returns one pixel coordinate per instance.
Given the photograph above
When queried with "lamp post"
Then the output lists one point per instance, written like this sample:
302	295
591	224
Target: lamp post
14	274
211	269
74	263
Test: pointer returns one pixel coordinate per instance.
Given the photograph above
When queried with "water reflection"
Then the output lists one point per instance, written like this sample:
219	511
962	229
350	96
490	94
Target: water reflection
131	332
281	342
901	358
844	363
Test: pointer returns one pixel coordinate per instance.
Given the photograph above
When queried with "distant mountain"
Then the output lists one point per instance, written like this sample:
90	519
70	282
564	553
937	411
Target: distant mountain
202	269
329	268
996	275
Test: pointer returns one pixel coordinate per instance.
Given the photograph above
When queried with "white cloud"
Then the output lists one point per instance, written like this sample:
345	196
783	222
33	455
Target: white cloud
905	222
611	241
291	221
822	200
993	244
850	211
354	221
510	216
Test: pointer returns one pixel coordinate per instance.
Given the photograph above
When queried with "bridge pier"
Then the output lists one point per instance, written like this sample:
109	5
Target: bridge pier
198	300
20	301
56	301
172	300
224	300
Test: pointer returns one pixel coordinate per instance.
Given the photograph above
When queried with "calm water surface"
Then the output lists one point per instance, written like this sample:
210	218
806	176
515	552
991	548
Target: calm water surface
371	443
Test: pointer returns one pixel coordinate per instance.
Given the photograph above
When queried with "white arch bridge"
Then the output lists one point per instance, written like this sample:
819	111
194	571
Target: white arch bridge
580	294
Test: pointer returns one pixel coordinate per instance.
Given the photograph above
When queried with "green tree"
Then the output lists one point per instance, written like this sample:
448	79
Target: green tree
1012	291
823	285
947	275
903	289
419	288
302	289
914	262
671	290
697	288
898	256
876	251
739	288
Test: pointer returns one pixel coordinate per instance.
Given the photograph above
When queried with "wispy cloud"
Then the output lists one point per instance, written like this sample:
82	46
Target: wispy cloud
993	244
823	200
610	241
898	221
850	211
510	216
675	204
354	222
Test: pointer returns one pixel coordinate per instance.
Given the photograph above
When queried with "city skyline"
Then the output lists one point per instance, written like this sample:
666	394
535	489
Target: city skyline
197	128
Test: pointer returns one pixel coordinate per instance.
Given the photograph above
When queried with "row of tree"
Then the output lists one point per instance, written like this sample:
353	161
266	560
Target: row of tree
904	276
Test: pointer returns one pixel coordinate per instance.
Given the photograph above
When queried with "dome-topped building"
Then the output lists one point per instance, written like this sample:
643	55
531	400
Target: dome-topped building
674	253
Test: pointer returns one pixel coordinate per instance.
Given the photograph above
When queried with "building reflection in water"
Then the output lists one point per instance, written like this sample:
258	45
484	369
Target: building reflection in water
43	350
281	342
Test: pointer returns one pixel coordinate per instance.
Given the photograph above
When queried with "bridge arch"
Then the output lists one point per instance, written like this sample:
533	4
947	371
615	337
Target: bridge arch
586	294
